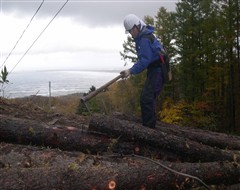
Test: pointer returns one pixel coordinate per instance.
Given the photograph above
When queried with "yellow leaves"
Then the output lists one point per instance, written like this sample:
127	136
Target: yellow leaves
196	114
31	130
112	143
73	166
172	112
81	158
235	158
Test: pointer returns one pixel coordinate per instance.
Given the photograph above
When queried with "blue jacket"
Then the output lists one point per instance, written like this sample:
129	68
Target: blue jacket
147	51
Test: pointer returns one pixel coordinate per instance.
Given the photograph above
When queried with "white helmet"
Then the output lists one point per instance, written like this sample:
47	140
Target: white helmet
130	21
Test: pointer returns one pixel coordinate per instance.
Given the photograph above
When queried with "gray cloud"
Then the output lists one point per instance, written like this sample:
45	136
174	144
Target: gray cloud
93	13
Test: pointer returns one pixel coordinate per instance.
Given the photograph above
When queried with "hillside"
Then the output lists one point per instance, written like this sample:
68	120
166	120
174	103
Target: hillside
45	147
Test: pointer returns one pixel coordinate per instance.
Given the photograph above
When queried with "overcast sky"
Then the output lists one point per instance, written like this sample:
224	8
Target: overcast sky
84	35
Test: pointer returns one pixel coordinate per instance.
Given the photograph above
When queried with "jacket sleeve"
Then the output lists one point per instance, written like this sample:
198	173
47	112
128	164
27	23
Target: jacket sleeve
145	55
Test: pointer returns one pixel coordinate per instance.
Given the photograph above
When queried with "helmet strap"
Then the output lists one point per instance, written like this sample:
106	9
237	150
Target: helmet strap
138	27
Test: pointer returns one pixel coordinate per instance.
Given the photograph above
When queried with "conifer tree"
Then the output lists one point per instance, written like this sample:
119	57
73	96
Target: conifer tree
202	38
165	31
230	49
188	39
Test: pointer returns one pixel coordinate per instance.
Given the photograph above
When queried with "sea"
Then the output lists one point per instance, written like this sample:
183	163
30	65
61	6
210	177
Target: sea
54	83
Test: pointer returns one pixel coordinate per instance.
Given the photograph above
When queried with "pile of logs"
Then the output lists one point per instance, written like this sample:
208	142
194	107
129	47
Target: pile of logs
115	152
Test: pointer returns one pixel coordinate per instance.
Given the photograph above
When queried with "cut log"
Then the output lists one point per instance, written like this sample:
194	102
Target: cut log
186	148
25	131
80	171
214	139
32	167
231	187
26	156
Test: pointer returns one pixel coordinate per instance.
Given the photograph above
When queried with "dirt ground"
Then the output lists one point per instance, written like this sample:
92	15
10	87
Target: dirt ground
36	109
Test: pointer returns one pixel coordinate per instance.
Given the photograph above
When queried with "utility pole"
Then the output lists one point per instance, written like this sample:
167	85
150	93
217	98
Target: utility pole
50	94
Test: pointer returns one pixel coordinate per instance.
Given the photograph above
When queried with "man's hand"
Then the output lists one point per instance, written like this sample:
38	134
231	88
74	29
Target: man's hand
125	73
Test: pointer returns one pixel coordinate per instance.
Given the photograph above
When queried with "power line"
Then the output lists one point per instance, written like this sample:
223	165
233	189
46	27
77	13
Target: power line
22	33
39	36
37	39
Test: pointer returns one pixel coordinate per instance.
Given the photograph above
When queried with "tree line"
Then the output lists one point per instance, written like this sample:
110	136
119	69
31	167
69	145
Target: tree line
202	40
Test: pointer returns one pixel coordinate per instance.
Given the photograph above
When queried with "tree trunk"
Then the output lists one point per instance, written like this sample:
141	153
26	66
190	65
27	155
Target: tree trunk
214	139
25	131
138	140
188	149
55	169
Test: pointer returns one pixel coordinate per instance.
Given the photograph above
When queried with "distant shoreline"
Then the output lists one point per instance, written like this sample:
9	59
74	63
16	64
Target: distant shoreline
42	96
56	82
73	70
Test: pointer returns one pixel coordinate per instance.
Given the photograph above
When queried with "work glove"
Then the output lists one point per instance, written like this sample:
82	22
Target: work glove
125	73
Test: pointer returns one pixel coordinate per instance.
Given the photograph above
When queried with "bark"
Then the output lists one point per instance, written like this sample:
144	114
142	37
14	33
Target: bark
214	139
26	156
25	131
231	187
187	149
80	171
32	167
138	140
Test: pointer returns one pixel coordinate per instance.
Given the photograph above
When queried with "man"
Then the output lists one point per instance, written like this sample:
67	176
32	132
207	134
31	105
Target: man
148	48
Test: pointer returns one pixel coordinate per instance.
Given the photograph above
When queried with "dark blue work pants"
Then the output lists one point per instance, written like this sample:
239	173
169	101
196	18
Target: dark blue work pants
151	90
